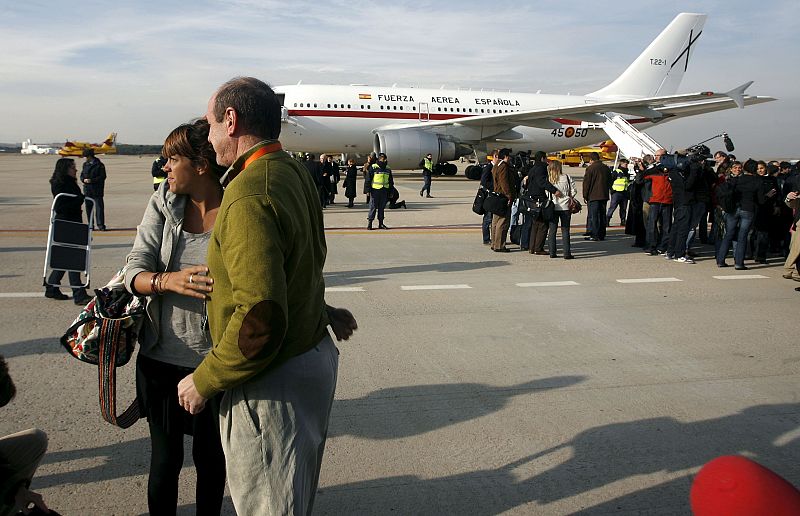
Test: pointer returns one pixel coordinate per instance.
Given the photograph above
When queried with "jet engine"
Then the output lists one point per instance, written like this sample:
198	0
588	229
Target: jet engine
406	147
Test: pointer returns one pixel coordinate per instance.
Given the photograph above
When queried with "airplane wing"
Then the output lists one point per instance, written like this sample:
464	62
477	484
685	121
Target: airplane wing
650	107
696	108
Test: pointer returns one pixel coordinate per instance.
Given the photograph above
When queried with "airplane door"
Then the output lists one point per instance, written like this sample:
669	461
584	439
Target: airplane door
424	114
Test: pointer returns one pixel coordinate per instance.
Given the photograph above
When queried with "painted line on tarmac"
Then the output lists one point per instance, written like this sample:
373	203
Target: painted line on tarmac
549	284
434	287
344	289
20	294
648	280
743	276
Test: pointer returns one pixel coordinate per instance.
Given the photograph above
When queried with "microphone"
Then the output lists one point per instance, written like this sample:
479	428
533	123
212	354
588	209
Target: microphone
728	143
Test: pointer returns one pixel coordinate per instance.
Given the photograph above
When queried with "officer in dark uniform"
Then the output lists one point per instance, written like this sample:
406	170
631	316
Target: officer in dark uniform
380	179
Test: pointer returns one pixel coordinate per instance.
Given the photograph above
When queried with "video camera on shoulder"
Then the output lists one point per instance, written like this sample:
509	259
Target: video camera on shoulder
695	154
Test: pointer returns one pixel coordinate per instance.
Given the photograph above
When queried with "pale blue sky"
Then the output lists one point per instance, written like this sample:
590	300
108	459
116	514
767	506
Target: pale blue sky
142	68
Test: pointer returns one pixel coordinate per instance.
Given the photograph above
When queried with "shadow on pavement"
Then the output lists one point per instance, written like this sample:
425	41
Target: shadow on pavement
597	458
400	412
120	460
32	347
337	278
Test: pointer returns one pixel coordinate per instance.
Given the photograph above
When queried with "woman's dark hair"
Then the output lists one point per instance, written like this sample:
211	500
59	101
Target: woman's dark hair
61	172
191	141
750	166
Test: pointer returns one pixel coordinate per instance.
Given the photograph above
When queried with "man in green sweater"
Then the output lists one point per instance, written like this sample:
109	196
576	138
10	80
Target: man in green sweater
272	354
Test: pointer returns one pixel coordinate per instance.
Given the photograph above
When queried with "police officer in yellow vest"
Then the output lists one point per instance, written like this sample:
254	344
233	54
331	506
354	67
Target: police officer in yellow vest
427	173
380	179
157	171
621	179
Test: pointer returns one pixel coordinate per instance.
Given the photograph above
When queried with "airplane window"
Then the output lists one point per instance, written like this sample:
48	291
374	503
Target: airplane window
494	111
481	110
329	105
395	108
348	106
295	104
368	106
438	109
414	108
401	108
381	107
315	104
301	104
362	106
470	110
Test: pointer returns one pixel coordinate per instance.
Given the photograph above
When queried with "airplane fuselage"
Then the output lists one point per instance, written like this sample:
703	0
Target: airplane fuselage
341	119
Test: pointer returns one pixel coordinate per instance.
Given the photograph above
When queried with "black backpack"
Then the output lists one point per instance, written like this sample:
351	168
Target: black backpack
726	198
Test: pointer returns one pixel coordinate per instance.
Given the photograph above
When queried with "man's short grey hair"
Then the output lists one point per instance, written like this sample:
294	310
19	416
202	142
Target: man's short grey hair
257	106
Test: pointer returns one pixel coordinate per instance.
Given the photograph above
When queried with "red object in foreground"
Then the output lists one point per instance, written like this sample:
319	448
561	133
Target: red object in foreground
733	485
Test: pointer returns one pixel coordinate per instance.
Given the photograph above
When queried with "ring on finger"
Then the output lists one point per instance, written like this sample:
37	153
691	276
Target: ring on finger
191	278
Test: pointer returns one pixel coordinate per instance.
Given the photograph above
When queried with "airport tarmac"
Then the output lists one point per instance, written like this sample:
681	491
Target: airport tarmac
478	382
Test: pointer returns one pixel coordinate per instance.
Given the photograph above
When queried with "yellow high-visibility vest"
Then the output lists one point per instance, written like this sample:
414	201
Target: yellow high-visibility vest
380	179
620	184
429	164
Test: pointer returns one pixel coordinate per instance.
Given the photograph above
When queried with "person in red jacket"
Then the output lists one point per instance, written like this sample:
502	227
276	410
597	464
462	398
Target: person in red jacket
660	207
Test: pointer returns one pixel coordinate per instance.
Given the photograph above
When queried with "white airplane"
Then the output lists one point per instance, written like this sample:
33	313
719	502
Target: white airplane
407	123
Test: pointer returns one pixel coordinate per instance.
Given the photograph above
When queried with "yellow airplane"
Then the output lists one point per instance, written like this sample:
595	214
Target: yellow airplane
77	148
580	156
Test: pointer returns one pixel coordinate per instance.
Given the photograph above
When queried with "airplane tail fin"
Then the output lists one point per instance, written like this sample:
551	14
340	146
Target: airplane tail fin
112	137
659	69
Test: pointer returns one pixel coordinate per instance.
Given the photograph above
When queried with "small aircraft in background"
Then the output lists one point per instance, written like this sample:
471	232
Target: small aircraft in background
76	148
579	157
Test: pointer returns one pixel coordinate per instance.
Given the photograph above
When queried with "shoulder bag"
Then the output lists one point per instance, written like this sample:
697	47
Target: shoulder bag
573	204
477	204
496	203
104	334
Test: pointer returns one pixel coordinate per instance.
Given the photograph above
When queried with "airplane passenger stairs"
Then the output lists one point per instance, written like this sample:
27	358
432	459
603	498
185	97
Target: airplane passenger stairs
632	142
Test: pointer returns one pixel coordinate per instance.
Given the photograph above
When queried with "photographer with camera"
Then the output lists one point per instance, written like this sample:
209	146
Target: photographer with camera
702	193
682	172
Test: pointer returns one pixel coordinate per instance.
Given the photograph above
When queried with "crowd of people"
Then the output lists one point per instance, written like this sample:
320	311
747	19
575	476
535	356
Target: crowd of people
378	183
666	201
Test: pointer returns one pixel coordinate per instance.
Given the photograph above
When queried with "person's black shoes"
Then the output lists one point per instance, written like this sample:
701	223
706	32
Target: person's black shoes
54	293
369	226
429	196
502	250
382	226
569	257
82	299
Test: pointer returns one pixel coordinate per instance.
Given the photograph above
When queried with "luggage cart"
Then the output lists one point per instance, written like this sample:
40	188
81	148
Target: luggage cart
69	245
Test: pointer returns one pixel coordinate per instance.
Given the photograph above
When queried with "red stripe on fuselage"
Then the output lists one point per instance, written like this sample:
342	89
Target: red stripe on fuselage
414	115
397	115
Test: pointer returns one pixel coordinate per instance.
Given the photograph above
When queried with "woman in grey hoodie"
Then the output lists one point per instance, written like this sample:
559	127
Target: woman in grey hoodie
167	264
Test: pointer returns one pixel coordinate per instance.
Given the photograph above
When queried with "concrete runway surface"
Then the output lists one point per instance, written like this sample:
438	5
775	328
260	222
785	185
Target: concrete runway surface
478	382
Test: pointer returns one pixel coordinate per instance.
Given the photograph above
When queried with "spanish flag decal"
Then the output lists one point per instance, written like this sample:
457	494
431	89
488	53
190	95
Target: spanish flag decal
364	96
